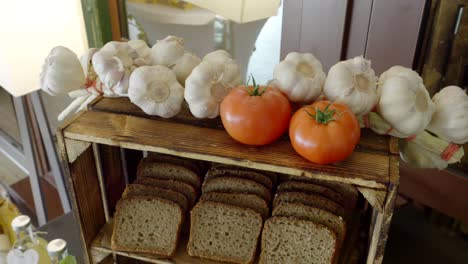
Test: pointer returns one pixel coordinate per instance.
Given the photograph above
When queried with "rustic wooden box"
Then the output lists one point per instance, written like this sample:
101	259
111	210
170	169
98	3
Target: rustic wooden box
100	149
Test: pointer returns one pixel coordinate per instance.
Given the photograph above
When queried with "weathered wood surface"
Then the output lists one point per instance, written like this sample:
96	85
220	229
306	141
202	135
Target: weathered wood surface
361	168
75	148
375	197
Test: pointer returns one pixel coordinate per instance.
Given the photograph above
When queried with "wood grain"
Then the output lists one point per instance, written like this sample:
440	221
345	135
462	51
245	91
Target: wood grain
361	168
113	175
375	197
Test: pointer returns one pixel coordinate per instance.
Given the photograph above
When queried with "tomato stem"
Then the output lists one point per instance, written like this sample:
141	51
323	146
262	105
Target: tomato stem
256	87
323	116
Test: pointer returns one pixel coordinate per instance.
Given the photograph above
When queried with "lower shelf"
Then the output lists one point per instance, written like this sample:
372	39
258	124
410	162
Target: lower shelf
352	251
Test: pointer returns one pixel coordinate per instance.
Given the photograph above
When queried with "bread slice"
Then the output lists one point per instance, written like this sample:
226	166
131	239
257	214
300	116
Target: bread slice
190	164
147	190
311	188
290	240
273	176
236	173
168	171
250	201
311	200
224	232
316	215
147	225
184	188
236	185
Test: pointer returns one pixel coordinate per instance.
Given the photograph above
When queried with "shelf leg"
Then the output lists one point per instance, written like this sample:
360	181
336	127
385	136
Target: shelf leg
380	227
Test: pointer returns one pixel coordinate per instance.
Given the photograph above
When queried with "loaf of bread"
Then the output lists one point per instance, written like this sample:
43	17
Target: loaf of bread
290	240
220	166
236	173
236	185
250	201
148	225
146	190
311	188
311	200
186	189
190	164
224	232
168	171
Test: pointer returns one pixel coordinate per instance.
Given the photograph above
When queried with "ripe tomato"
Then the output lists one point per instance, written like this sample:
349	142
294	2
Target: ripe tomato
324	132
255	115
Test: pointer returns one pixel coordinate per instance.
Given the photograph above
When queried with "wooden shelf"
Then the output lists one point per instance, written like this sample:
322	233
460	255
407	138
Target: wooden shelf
369	166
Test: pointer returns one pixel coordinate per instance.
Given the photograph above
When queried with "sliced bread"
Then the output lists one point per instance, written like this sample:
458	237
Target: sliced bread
147	190
236	185
187	163
311	200
310	188
273	176
168	171
250	201
184	188
290	240
316	215
148	225
236	173
224	232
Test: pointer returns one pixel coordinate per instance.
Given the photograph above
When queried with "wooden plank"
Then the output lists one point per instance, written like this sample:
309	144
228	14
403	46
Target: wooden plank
322	29
358	28
291	27
75	148
115	20
375	197
370	141
393	33
113	175
361	168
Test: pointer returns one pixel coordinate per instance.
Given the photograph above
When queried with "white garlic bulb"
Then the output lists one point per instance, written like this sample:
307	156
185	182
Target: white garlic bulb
140	52
61	72
209	83
220	56
166	52
352	82
156	91
404	101
185	65
450	119
300	76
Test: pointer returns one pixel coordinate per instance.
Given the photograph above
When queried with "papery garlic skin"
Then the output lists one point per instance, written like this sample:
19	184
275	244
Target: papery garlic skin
166	52
209	83
352	82
220	56
450	119
185	65
418	157
404	101
140	52
300	76
61	72
156	91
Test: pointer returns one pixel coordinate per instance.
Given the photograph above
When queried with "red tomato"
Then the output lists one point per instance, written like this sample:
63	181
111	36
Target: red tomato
324	132
255	115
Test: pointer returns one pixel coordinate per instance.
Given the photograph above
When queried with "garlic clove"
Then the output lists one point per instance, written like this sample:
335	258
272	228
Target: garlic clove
450	119
185	65
61	72
166	52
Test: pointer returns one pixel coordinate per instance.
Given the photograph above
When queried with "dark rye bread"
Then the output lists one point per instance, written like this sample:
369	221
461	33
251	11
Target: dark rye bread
273	176
310	200
236	185
249	175
168	171
289	240
311	188
316	215
224	232
148	225
192	165
184	188
147	190
250	201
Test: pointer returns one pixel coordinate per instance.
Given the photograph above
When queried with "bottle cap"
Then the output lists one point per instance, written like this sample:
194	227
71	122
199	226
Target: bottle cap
56	247
20	223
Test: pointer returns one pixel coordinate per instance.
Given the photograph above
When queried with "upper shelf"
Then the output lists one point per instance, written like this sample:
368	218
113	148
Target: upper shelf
117	122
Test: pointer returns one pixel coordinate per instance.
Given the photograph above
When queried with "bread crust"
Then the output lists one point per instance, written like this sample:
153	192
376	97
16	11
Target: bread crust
174	185
237	173
264	192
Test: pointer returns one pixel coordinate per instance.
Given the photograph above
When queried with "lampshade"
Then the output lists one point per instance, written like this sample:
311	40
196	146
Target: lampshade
240	11
28	31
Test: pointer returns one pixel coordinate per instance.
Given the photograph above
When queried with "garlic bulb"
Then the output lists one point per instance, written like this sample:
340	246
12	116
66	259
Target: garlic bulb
156	91
61	72
352	82
300	76
220	56
450	119
404	101
166	52
86	61
418	157
209	83
184	66
140	52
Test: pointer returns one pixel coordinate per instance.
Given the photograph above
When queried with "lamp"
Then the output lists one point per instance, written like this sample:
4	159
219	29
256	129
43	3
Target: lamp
240	11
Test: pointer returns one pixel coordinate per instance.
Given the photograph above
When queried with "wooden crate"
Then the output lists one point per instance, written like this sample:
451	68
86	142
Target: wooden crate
101	147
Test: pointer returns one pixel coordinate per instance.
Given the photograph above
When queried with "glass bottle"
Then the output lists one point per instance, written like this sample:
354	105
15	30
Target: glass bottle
28	248
58	253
